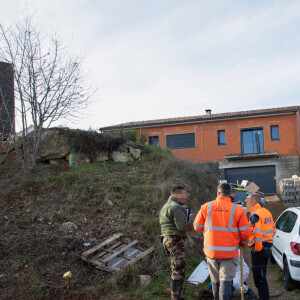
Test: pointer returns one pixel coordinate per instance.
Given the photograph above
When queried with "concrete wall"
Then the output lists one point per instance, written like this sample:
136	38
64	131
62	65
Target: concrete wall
285	166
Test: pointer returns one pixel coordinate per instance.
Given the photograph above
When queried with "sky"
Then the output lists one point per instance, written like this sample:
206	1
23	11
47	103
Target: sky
152	59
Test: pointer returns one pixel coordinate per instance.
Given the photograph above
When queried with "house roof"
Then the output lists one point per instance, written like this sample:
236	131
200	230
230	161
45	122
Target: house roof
203	118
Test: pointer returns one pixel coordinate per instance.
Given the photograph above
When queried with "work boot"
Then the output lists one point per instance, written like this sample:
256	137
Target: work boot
251	295
225	290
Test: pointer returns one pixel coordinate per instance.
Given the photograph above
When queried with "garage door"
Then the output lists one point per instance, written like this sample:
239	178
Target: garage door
264	177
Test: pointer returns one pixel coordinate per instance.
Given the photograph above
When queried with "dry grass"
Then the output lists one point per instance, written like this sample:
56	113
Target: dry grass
101	199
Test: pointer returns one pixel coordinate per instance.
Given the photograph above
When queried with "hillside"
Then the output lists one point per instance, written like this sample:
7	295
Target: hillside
101	199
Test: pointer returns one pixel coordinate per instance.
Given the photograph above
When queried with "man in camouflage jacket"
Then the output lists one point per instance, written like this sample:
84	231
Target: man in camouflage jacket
174	225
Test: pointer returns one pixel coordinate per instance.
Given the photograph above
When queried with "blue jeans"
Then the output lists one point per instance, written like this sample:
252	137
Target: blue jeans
259	269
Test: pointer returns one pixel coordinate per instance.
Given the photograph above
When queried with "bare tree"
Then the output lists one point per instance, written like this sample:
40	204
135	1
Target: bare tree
49	83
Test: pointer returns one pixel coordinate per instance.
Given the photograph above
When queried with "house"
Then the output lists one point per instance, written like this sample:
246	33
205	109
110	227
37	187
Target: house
7	99
258	145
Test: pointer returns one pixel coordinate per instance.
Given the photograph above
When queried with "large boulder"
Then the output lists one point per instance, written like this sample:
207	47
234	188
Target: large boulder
53	145
8	158
135	153
101	156
6	146
121	156
79	158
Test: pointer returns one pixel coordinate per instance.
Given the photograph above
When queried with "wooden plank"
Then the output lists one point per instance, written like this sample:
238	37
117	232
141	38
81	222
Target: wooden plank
115	245
101	265
123	249
141	256
101	245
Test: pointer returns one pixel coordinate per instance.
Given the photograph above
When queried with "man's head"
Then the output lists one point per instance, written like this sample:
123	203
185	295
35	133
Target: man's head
179	193
224	190
252	200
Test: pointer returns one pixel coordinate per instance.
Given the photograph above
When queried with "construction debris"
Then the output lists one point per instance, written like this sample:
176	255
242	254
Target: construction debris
114	253
290	190
200	274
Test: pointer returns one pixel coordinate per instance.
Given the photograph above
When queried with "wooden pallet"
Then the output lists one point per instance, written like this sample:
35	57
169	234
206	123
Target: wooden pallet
114	253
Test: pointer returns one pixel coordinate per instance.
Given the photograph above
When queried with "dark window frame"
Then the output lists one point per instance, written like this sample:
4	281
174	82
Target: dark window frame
219	143
152	137
252	129
180	134
271	132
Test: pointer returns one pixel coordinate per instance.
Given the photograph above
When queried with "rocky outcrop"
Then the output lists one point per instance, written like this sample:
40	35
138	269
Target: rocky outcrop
121	156
57	144
79	158
53	145
135	153
101	156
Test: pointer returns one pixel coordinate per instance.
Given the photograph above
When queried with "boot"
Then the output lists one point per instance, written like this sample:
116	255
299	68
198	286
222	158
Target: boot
251	295
225	290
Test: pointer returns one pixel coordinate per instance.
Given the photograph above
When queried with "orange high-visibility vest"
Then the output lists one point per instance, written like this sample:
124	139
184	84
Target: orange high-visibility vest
262	227
225	226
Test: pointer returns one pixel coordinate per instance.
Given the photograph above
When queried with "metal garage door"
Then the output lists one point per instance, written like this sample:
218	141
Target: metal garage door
264	177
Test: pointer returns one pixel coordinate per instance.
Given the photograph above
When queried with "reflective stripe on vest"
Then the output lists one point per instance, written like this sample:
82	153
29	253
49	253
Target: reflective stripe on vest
221	248
219	228
198	225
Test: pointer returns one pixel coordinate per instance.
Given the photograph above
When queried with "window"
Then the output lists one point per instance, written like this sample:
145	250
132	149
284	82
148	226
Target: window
252	141
181	141
221	137
290	222
274	133
281	221
154	140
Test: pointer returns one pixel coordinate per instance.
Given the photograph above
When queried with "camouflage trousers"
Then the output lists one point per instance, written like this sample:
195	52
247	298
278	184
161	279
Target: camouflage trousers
175	250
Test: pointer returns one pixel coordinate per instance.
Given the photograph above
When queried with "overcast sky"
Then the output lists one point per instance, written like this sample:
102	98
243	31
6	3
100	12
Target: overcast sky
154	59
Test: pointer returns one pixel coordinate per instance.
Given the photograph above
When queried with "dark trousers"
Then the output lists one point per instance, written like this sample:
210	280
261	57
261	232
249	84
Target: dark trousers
259	269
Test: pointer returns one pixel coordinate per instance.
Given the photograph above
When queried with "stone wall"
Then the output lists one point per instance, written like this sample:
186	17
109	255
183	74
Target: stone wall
7	87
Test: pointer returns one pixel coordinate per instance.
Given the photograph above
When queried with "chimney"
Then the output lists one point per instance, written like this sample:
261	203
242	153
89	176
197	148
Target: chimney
208	112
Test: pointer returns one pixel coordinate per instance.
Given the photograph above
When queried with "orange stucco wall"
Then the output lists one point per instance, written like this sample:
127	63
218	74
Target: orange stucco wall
206	136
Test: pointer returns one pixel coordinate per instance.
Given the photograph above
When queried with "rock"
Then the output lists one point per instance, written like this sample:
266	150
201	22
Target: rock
135	153
68	227
53	145
8	158
101	156
79	158
121	156
109	203
57	162
144	280
6	146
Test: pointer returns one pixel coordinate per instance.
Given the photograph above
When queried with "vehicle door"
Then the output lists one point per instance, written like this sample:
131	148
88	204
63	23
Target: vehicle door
277	248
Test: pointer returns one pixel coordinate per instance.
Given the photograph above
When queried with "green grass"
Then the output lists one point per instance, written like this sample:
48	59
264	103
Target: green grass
102	199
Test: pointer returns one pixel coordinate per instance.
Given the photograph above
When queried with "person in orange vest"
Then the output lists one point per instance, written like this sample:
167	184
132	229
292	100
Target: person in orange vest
261	240
225	227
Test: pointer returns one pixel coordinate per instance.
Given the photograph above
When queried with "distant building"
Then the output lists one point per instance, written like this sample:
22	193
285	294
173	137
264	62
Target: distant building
258	145
7	99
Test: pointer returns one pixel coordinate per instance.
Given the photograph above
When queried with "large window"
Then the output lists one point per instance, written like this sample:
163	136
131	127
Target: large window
181	141
252	140
154	140
274	133
221	137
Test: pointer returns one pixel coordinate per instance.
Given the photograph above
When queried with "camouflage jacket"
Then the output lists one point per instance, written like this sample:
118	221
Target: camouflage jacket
173	219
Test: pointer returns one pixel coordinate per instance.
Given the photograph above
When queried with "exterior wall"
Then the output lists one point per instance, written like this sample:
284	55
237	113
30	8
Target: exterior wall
206	136
298	129
7	86
285	167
